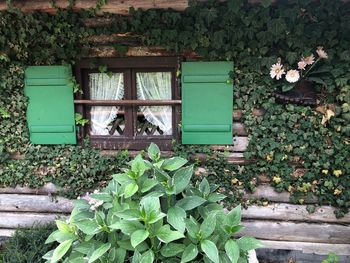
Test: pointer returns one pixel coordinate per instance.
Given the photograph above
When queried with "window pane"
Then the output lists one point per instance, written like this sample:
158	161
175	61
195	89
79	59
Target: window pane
154	120
106	87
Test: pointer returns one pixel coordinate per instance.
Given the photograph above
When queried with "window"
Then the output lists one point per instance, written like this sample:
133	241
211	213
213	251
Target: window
134	102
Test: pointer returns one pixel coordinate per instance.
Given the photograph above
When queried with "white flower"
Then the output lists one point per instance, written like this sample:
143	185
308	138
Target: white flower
321	53
292	76
301	64
309	60
277	71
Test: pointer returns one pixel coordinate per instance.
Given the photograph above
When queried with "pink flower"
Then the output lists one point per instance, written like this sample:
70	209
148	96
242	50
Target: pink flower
309	60
292	76
301	64
321	53
277	71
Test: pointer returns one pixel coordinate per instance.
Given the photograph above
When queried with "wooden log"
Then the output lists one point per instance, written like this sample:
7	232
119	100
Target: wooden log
301	232
291	212
47	189
6	232
34	203
269	193
127	39
306	247
10	220
112	6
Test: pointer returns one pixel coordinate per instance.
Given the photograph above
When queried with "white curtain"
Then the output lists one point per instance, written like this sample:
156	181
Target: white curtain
156	86
104	87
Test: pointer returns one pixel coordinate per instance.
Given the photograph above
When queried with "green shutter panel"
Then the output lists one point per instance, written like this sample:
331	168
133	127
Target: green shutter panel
50	113
207	103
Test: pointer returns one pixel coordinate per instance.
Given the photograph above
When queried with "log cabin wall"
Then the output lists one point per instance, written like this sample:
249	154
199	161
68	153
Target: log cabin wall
280	224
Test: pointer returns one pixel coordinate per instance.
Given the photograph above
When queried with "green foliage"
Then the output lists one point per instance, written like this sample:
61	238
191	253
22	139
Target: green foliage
151	213
253	37
332	258
27	245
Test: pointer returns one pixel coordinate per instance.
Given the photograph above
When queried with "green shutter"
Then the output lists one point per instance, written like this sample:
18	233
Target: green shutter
207	103
50	113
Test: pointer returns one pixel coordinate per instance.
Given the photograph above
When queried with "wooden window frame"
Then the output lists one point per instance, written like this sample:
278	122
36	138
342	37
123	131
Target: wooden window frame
129	66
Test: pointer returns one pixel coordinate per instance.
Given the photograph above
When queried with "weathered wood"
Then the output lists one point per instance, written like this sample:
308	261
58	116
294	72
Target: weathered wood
239	129
7	232
269	193
10	220
48	188
291	212
112	6
301	232
306	247
34	203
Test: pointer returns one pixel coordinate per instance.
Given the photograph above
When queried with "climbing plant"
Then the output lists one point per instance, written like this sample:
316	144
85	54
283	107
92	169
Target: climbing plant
286	137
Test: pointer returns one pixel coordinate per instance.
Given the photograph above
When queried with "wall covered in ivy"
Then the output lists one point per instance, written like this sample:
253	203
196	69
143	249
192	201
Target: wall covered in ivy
254	37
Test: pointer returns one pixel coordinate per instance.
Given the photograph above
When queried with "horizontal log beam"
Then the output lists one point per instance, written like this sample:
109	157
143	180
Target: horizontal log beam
307	247
291	212
10	220
112	6
47	189
34	203
6	233
300	232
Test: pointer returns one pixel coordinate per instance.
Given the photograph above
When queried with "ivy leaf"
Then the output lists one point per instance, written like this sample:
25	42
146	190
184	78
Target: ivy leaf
276	26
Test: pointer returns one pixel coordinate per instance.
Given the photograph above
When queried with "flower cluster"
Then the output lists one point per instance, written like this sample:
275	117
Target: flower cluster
293	75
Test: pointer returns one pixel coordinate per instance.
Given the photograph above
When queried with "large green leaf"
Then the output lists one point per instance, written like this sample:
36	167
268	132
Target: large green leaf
129	214
192	227
234	216
248	243
190	253
210	249
99	252
176	216
172	249
147	257
166	235
182	178
173	163
138	236
148	184
127	227
232	250
190	202
88	226
61	250
120	255
208	225
153	152
130	189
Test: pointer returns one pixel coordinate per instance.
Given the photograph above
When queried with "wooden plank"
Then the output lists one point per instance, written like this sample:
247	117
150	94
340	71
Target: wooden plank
269	193
14	219
295	231
34	203
306	247
48	188
291	212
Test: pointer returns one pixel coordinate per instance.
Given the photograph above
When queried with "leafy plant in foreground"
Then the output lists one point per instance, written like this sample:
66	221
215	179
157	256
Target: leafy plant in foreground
151	213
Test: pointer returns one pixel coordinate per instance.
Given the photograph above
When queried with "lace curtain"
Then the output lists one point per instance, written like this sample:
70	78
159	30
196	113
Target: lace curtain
103	87
156	86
